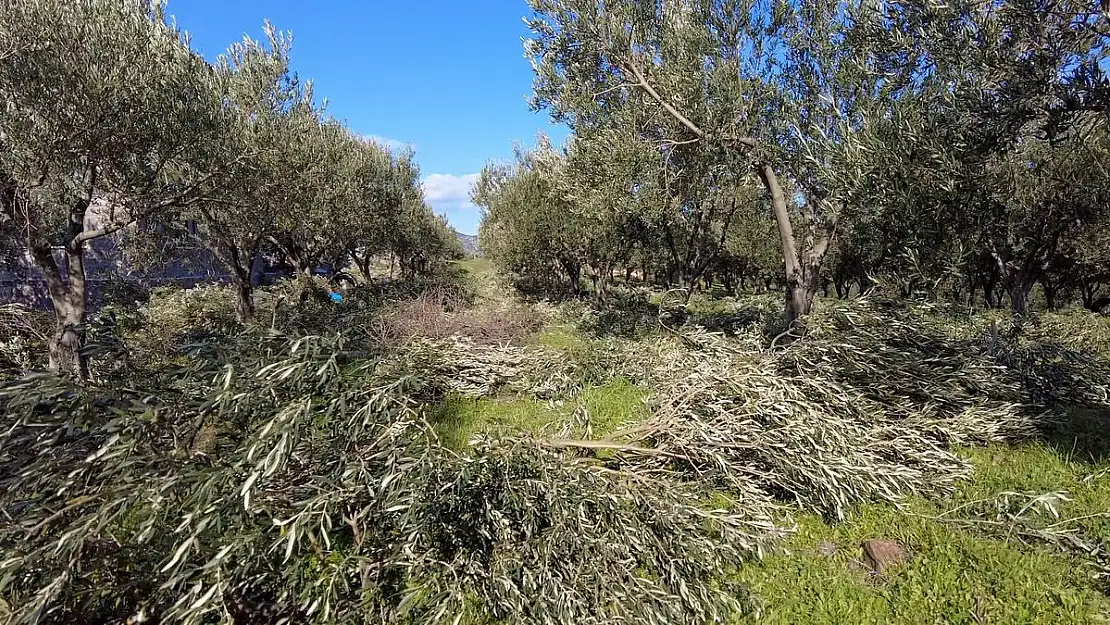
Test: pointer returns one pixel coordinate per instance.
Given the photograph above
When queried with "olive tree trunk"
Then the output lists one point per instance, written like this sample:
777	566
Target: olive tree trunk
239	256
803	276
68	296
244	296
1017	277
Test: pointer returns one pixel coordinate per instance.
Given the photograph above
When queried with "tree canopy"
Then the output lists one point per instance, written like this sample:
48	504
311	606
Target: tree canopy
955	150
111	120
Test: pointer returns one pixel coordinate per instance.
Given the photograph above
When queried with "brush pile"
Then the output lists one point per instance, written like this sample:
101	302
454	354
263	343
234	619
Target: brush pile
730	417
327	500
23	336
924	361
299	483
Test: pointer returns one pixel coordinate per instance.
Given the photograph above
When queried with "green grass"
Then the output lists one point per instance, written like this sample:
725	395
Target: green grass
565	338
475	266
953	577
609	406
481	277
958	573
1038	468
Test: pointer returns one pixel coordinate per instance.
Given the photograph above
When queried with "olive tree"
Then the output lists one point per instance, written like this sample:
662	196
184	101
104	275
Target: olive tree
637	72
270	112
380	183
419	239
722	90
347	193
1008	145
527	220
106	119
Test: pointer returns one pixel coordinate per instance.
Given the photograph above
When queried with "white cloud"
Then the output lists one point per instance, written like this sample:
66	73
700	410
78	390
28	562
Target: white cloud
449	187
393	145
449	195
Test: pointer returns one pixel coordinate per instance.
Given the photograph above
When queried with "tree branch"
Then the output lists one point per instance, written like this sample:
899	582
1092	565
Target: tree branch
177	201
44	258
782	218
626	64
642	81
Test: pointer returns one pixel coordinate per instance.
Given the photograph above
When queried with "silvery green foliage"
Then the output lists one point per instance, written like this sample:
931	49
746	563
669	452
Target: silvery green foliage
298	481
102	99
108	119
943	146
665	109
991	165
327	499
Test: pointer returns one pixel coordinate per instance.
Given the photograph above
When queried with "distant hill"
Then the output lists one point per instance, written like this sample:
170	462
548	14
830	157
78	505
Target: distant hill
469	244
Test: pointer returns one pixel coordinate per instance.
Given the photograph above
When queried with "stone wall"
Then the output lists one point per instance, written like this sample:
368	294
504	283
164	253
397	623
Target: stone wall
107	263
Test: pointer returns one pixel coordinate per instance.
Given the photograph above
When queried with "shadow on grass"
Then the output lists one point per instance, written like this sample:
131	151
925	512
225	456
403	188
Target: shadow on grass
627	315
898	358
760	314
1080	433
636	313
1073	386
733	322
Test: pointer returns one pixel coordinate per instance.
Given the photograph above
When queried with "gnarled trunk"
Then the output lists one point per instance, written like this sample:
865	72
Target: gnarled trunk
574	273
241	257
1100	306
362	261
244	298
67	344
1018	274
1019	298
797	301
1050	289
69	299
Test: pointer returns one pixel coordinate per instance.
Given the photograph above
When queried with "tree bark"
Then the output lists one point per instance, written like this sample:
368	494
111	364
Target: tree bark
1049	294
67	344
797	302
69	298
239	257
362	261
1019	296
601	284
840	282
1087	291
244	296
574	273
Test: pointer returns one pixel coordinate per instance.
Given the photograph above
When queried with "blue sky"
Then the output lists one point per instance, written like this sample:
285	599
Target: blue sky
447	77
